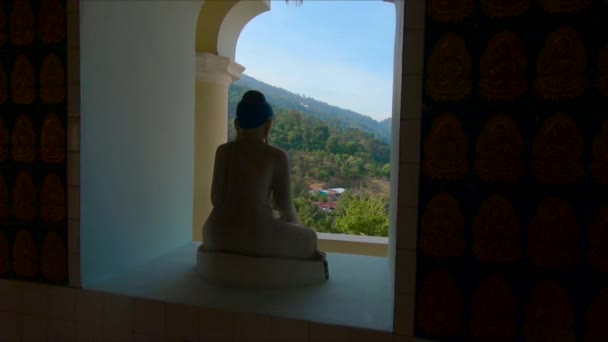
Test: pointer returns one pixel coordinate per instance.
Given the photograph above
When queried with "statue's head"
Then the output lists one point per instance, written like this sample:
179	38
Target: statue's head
253	111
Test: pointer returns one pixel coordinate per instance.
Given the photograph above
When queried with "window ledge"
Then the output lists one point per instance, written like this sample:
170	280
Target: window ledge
359	292
353	244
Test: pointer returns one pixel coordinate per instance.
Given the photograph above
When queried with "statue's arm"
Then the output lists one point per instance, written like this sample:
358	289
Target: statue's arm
219	176
282	190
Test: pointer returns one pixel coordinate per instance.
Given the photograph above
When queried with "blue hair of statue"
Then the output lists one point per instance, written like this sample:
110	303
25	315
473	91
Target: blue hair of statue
253	114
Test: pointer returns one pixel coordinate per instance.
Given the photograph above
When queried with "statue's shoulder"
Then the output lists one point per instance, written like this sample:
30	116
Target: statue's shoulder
278	152
224	147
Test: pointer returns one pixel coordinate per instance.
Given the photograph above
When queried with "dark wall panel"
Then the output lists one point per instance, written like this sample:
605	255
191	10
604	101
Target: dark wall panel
33	114
513	214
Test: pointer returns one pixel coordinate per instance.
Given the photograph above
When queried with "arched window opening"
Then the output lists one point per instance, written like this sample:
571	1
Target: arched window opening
327	68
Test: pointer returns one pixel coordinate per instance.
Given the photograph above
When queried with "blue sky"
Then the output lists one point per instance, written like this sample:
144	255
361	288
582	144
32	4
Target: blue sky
339	52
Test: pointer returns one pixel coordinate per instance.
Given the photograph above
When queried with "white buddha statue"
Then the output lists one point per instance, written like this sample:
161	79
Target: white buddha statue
248	173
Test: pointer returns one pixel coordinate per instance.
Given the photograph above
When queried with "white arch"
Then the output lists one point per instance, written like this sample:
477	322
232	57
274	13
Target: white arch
234	22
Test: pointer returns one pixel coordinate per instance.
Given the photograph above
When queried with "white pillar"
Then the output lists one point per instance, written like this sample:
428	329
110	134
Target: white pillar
214	74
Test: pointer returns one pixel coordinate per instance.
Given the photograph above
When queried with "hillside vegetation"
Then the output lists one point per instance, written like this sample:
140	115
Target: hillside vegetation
326	152
281	98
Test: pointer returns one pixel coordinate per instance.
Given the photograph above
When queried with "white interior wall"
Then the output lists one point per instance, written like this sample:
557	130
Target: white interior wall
137	106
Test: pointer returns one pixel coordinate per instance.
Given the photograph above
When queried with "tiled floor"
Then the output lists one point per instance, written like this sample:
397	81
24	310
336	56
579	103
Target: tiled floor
359	292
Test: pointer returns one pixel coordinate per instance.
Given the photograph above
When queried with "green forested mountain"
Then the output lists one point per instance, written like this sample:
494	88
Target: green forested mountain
281	98
329	147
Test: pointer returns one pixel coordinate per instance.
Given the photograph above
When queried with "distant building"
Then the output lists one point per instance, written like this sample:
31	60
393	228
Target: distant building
332	194
326	206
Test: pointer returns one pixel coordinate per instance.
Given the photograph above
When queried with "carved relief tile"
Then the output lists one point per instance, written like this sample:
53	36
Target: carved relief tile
549	314
494	311
500	151
53	258
3	28
497	232
25	255
503	67
52	140
441	305
52	22
553	235
3	84
564	6
445	149
23	81
597	316
599	166
52	80
22	23
598	241
52	199
450	10
4	140
24	140
602	65
449	70
24	198
561	66
504	8
5	265
443	228
557	151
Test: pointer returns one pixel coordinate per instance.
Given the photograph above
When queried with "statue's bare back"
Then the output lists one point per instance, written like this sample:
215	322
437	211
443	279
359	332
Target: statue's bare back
248	174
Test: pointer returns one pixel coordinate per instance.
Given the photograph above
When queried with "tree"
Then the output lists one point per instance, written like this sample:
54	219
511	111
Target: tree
362	215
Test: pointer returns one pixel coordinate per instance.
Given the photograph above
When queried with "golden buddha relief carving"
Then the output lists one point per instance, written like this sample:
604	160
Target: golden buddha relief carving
3	85
450	10
52	199
449	70
52	140
53	258
549	314
3	198
52	80
599	166
602	65
494	311
23	81
445	149
597	255
25	255
503	67
497	232
596	317
557	151
561	66
24	198
443	228
52	22
24	140
4	140
5	265
553	235
22	23
440	306
3	30
504	8
500	151
564	6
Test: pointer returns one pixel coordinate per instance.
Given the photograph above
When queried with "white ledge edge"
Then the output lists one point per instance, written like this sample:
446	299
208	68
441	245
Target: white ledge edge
378	240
